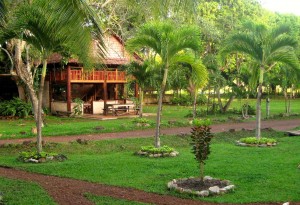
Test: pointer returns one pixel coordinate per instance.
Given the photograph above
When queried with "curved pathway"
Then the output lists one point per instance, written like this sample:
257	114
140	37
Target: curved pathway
281	125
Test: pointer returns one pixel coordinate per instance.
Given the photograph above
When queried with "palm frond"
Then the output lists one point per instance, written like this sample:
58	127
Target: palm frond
285	56
242	43
282	41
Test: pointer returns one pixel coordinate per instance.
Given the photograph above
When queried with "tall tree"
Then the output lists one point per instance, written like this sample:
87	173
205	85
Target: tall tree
266	47
46	26
168	43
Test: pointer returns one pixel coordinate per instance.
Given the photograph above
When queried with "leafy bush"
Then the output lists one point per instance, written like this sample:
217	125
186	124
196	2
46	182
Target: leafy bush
15	107
201	138
33	156
200	122
254	140
188	100
153	150
199	113
78	107
141	120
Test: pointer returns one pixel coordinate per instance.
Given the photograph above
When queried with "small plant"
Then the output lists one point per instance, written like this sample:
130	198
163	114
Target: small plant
200	122
33	156
78	107
154	150
141	120
201	138
254	140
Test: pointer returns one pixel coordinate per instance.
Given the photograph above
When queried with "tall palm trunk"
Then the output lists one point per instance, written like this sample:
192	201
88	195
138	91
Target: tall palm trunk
141	101
195	104
258	103
159	109
39	121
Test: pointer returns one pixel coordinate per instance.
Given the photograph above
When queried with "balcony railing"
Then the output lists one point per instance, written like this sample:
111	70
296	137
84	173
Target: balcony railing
92	76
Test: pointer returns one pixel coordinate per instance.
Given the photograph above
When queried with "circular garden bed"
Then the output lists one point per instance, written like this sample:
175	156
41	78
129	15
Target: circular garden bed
151	151
254	142
208	187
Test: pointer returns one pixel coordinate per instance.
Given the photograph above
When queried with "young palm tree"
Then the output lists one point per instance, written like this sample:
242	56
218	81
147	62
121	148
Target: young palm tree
47	26
142	74
266	47
167	42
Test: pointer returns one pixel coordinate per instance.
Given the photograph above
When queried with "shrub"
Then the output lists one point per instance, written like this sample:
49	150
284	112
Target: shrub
141	120
201	138
15	107
254	140
187	100
153	150
33	156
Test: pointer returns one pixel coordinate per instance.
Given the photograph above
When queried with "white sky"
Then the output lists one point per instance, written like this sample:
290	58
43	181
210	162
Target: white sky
282	6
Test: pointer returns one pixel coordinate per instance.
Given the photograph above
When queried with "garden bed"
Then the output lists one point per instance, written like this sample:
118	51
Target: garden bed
153	152
254	142
208	187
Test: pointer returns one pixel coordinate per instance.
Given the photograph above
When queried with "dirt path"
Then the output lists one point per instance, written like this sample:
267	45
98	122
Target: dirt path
282	125
71	191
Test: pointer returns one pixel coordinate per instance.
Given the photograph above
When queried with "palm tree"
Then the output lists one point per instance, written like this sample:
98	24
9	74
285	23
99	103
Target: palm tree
167	42
47	26
266	47
142	74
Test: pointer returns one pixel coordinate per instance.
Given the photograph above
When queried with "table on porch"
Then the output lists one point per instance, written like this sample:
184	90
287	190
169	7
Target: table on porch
117	109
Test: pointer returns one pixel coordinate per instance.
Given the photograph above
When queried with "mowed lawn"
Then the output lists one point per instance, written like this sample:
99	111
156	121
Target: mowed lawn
62	126
260	174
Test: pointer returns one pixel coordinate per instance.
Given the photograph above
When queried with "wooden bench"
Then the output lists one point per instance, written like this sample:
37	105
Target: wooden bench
120	110
64	113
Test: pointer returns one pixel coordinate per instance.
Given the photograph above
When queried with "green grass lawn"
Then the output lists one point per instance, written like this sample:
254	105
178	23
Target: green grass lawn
17	192
58	126
260	174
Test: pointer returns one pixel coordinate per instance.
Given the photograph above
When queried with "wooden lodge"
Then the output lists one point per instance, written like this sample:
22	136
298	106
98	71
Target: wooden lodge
102	90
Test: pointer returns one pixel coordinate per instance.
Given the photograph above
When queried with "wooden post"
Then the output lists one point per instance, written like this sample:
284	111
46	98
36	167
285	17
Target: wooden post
136	90
116	91
105	92
50	90
69	94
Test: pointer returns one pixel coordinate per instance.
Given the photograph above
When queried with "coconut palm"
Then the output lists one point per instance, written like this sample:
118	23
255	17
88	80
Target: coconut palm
47	26
168	43
266	47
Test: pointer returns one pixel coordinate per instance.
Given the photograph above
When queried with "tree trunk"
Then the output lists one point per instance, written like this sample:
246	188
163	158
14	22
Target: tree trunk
227	105
201	171
258	104
195	104
25	75
141	102
285	100
219	99
159	109
40	101
267	108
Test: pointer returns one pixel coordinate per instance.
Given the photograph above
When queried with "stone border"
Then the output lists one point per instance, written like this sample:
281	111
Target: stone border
211	191
255	145
157	155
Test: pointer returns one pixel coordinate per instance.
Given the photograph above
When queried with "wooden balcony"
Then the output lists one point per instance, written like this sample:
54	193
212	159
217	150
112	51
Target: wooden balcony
79	76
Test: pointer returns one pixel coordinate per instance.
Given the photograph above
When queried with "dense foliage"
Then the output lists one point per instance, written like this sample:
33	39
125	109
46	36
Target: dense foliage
15	107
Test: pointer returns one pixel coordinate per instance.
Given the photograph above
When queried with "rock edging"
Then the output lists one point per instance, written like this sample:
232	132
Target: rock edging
211	191
255	145
157	155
